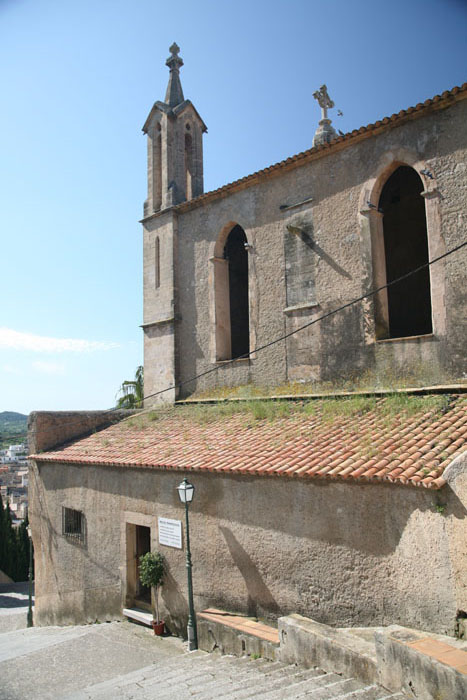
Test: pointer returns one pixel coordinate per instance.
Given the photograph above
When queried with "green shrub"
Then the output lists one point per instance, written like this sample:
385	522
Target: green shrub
151	574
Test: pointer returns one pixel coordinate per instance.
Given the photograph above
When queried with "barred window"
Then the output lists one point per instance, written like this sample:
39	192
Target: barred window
73	524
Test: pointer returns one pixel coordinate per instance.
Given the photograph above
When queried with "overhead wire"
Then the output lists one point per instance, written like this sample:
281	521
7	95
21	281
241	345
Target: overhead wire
269	344
310	323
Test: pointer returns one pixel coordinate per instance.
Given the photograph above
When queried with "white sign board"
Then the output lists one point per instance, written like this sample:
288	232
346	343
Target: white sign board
170	532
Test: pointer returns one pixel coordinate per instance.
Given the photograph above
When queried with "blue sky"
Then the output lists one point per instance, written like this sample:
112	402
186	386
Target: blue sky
78	78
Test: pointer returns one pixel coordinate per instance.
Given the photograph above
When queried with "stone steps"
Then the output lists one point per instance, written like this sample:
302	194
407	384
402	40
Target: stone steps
201	676
121	661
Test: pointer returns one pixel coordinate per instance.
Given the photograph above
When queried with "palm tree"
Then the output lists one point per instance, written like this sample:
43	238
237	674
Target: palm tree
131	392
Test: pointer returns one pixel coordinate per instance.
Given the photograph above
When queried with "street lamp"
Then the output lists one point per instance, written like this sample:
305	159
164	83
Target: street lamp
186	491
30	623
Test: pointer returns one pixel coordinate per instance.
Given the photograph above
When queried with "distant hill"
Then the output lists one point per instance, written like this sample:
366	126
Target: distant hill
12	417
13	428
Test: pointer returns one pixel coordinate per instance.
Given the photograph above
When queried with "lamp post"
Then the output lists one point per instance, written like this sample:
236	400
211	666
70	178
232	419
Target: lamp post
185	492
30	622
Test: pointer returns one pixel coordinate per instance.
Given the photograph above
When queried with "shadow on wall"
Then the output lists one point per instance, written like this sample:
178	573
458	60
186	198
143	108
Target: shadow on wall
176	605
447	502
369	518
305	236
259	594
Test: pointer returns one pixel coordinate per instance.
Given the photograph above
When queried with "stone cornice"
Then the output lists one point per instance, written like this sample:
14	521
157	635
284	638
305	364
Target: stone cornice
161	321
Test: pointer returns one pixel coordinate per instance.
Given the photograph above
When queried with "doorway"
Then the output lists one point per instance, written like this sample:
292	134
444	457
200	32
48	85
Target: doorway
138	540
143	545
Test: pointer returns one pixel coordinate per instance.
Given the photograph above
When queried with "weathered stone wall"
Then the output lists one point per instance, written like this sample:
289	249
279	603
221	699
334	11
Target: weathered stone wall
160	311
47	429
334	266
341	554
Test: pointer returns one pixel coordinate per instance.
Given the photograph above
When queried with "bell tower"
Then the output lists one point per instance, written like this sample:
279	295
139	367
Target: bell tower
175	174
175	145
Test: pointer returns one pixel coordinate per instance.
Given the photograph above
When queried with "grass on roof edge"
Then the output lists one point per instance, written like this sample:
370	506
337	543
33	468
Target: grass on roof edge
327	409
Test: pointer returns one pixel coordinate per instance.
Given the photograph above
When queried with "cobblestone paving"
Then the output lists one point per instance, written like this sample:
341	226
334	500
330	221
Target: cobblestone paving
121	661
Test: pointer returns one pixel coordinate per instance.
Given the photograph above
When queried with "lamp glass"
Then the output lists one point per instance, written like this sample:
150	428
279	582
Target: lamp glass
186	491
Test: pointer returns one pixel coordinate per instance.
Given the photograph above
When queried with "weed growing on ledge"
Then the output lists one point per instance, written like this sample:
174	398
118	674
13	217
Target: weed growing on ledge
387	379
387	409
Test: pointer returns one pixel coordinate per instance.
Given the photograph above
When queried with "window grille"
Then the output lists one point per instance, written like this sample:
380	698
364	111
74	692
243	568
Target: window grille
73	524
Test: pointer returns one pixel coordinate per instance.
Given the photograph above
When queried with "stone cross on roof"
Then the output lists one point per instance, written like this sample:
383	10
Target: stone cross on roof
324	100
174	94
325	131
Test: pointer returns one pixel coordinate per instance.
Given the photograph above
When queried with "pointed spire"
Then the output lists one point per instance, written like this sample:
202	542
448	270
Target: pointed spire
174	94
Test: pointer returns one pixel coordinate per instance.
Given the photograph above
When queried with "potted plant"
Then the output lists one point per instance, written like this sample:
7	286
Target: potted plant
151	574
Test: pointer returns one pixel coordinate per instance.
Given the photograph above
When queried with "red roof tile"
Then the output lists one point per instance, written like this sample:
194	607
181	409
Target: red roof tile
370	442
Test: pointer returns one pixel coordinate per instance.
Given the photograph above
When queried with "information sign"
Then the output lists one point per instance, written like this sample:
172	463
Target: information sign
170	532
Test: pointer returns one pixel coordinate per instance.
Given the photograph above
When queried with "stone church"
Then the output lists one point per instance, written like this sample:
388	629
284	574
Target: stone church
341	266
228	271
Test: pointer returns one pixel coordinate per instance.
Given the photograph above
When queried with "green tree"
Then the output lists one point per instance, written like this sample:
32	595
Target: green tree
9	543
14	546
131	392
3	537
22	552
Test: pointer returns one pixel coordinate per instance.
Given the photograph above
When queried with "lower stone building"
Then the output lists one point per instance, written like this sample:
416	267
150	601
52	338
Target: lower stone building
349	510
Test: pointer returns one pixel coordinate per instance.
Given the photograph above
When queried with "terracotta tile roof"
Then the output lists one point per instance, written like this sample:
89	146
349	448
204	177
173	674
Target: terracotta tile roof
436	102
373	439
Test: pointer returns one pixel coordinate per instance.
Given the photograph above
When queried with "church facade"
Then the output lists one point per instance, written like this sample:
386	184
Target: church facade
247	265
345	263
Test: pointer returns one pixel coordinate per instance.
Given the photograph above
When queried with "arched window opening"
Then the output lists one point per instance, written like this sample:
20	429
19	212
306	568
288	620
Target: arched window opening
157	166
236	254
157	263
188	166
405	249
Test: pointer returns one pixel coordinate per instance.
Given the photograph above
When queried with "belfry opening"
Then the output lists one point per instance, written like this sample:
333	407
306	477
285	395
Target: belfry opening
188	165
406	249
235	252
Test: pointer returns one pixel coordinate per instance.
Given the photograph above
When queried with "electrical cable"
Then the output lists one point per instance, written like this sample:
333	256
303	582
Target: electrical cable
310	323
367	295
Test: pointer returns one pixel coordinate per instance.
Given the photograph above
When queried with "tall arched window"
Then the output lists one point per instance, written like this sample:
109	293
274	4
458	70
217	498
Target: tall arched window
235	252
230	300
405	249
188	165
157	167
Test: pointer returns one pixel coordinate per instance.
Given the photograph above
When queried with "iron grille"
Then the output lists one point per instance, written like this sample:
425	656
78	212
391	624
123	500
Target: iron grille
73	524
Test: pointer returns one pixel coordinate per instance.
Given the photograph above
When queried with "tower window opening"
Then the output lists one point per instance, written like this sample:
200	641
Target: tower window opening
157	166
236	254
405	249
188	166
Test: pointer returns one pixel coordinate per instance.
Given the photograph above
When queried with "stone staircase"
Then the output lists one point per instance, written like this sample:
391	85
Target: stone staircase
202	676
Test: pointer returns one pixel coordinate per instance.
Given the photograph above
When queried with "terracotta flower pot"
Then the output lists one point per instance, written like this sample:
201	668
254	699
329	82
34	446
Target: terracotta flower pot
158	627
